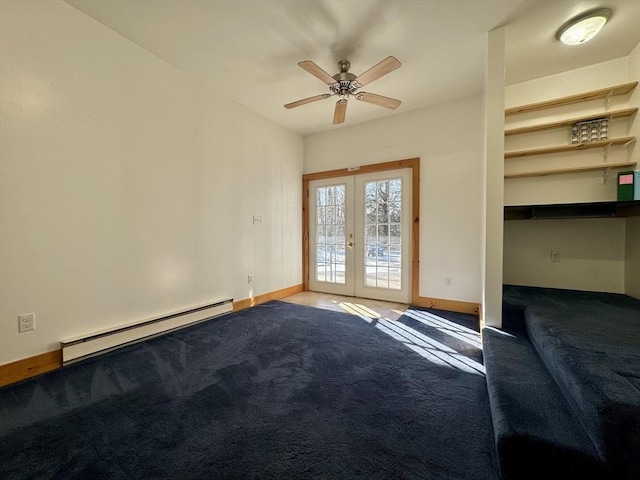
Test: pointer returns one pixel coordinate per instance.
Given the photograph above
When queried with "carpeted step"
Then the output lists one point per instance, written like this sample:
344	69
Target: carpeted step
593	354
513	319
536	434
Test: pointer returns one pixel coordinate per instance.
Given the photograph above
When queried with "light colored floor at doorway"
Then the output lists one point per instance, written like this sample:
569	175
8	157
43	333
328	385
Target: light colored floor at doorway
353	305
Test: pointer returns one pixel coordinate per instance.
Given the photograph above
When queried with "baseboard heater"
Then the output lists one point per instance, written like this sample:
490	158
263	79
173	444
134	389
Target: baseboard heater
79	348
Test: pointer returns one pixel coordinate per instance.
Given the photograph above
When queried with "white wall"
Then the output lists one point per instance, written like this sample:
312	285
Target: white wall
127	189
591	253
448	138
632	257
592	77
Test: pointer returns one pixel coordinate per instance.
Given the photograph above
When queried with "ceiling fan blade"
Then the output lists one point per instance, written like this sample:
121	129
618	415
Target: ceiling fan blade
380	100
340	112
387	65
304	101
317	72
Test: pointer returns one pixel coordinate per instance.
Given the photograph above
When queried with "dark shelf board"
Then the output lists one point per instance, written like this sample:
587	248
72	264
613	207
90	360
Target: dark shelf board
573	210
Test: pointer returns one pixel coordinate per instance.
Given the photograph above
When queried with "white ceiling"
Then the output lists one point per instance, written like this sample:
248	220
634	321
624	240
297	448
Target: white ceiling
248	50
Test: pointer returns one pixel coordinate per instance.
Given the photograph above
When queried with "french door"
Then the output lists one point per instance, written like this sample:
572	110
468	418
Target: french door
359	235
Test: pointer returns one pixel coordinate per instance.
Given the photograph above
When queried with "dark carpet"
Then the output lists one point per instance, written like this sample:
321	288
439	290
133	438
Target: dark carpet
590	344
562	384
276	391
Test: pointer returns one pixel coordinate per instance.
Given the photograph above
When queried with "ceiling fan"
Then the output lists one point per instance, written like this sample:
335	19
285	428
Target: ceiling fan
345	84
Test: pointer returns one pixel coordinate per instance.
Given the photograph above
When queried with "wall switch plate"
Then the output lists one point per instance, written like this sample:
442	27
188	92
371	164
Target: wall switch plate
26	322
555	256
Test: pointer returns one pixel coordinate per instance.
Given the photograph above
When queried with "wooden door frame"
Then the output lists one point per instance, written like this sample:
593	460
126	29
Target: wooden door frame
414	165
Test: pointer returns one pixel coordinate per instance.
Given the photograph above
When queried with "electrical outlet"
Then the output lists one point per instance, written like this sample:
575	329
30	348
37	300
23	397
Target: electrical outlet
447	281
250	278
26	322
555	256
257	220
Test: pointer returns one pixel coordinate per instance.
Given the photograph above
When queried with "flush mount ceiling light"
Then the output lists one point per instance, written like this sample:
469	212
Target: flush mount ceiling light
583	28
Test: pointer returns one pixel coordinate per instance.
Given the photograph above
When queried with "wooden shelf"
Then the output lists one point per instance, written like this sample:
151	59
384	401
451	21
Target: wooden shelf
627	112
560	171
573	210
574	147
571	99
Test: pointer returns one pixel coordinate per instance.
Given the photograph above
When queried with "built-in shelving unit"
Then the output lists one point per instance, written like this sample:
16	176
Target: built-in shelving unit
559	195
605	145
573	210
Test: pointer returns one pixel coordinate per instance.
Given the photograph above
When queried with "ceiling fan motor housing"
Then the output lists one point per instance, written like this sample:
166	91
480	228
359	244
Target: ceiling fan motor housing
345	81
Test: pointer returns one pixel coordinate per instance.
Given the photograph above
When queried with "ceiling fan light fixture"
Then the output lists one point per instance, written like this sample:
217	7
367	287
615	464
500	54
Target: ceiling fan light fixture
583	28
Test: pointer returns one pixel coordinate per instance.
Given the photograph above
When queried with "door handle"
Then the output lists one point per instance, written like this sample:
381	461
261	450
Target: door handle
350	244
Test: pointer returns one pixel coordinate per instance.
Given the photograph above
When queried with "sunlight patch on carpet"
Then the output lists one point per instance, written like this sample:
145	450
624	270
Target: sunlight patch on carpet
430	349
500	331
447	327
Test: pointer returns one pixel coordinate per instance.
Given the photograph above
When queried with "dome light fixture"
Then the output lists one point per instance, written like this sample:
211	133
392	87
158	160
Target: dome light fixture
583	28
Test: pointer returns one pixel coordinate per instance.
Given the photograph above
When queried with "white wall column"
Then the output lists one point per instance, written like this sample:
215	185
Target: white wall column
493	179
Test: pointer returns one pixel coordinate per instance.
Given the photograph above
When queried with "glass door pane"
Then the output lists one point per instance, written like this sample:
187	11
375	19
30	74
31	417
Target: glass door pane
383	216
331	260
330	234
383	233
